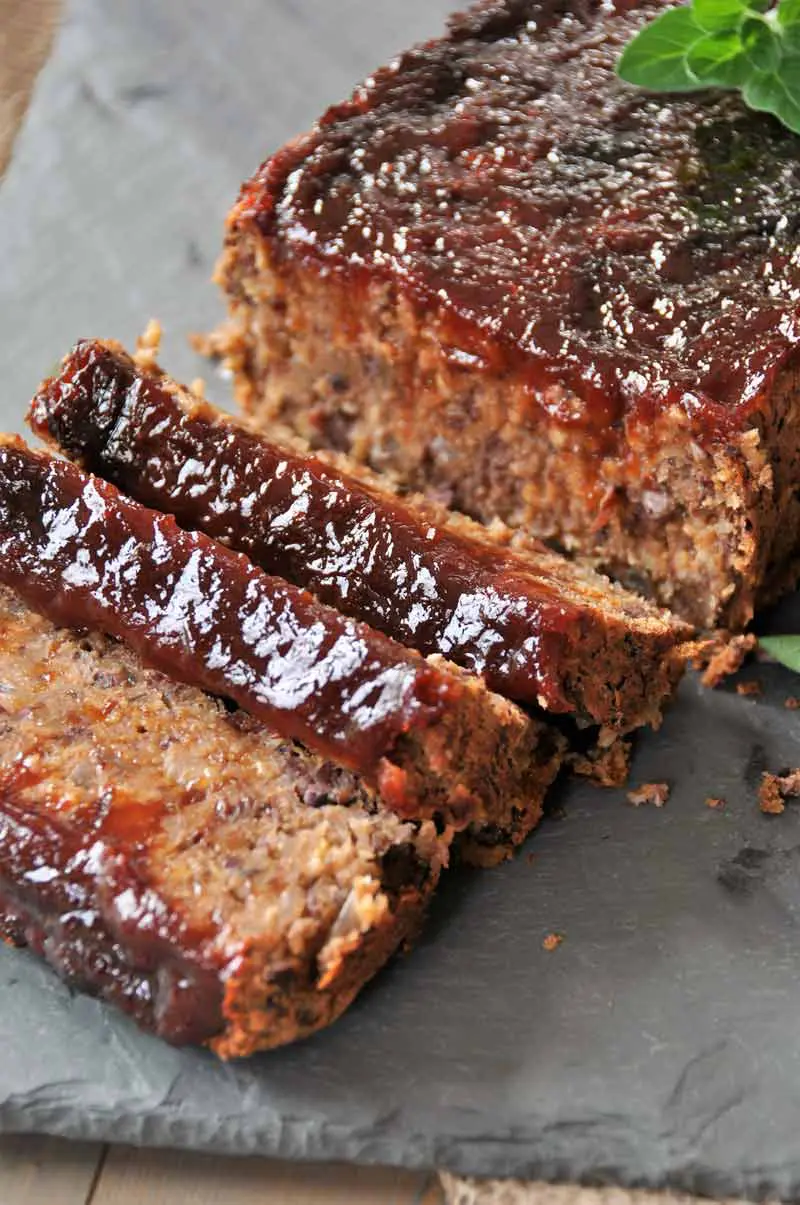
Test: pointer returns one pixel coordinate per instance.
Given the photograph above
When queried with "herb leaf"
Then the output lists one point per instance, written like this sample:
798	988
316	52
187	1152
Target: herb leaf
785	649
717	61
712	15
777	93
656	58
733	44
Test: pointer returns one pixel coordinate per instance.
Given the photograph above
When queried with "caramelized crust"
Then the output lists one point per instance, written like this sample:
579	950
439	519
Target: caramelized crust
534	625
504	277
219	884
431	738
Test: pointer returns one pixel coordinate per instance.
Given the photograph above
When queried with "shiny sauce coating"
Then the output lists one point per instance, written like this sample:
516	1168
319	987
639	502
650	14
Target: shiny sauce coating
364	552
622	252
83	555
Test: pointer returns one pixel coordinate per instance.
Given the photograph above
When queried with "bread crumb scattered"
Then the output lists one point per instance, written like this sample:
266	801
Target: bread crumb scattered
224	341
713	802
530	859
656	793
724	656
749	689
775	789
552	941
198	386
147	347
604	767
792	703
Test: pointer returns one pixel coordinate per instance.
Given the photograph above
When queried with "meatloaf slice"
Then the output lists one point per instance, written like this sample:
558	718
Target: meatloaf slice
429	737
508	279
221	885
538	628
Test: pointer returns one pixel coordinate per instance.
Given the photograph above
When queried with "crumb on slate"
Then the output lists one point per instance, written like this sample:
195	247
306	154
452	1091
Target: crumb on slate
713	802
606	767
749	689
775	789
552	941
147	346
530	859
724	656
792	703
656	793
198	387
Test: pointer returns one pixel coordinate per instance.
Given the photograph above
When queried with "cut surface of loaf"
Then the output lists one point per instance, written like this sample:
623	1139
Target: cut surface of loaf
218	883
503	277
537	627
430	737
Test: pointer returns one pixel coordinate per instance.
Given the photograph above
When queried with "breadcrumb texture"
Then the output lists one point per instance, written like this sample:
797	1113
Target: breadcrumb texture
655	793
775	789
219	884
500	276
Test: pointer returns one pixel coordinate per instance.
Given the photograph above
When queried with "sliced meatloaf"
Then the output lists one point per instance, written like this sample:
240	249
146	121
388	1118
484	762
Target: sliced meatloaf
220	884
429	737
504	277
538	628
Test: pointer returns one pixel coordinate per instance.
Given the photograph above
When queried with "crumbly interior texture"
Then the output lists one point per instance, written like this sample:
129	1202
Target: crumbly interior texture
218	883
355	545
502	277
708	532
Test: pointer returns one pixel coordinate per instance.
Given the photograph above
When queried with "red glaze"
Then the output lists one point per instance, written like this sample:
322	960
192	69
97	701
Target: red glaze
363	551
621	251
85	556
77	893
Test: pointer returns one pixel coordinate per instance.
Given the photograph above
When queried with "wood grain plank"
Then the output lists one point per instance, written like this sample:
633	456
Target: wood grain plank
26	34
130	1177
34	1170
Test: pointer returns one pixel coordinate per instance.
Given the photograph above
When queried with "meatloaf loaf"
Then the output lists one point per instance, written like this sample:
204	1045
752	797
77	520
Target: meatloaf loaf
221	885
538	628
510	280
429	737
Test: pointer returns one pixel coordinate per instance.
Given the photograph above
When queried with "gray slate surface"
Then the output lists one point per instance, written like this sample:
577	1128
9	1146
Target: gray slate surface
660	1044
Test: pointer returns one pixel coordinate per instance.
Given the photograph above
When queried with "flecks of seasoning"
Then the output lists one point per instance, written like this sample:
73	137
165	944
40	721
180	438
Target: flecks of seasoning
552	941
713	802
656	793
530	859
749	689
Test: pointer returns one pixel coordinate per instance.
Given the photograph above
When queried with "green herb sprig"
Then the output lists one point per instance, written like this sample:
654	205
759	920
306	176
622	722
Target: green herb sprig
785	649
733	44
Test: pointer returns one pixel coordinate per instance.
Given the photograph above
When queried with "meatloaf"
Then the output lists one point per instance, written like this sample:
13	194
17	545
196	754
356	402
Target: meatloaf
504	277
538	628
220	884
429	737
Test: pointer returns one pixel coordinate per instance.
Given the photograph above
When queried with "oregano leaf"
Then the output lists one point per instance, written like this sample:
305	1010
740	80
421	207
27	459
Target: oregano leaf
656	58
785	649
789	13
776	93
761	46
749	45
713	15
718	61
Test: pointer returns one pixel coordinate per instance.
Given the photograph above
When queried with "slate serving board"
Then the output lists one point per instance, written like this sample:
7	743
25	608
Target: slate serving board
659	1045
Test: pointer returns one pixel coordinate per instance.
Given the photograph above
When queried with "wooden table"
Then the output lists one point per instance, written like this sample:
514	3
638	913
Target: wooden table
46	1171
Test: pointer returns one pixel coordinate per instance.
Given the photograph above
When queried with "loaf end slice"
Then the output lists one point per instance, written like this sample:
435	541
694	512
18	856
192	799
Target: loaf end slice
221	885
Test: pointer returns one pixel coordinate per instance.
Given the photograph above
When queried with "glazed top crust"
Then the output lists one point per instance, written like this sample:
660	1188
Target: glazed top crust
622	251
